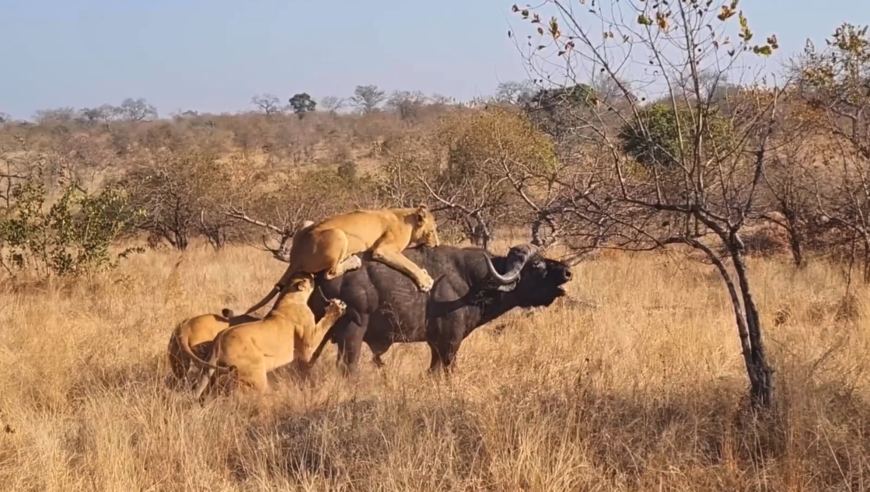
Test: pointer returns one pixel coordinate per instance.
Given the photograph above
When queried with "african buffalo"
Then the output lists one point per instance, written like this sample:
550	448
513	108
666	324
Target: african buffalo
384	306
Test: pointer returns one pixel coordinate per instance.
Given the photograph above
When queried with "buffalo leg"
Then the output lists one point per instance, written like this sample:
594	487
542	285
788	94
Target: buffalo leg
443	355
377	351
447	351
349	340
444	339
435	363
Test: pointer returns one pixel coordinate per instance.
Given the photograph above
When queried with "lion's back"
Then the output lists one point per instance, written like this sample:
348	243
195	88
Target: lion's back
358	221
204	327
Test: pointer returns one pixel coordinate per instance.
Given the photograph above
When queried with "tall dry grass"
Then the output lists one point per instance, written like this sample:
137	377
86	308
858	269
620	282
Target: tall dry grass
639	389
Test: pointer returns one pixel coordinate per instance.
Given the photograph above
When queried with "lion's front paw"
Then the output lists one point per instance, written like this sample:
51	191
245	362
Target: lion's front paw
337	306
426	282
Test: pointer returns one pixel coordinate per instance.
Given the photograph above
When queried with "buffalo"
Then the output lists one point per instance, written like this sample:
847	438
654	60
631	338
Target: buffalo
471	288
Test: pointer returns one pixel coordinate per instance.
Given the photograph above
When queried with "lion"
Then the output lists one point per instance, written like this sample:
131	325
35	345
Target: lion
251	350
195	335
330	245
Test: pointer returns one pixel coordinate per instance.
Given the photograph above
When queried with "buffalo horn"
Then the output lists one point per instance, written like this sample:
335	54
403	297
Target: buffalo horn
518	256
509	277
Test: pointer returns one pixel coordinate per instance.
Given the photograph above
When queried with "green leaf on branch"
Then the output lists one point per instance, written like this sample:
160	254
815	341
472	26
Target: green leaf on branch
554	28
762	50
772	41
725	13
745	32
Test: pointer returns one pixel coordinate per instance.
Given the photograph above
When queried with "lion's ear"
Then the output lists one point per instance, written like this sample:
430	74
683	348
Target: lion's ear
421	212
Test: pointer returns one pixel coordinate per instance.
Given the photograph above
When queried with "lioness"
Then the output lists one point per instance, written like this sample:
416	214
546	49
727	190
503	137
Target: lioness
252	349
330	244
196	335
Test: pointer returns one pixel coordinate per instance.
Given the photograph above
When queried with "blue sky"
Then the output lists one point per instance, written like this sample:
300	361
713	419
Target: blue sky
214	55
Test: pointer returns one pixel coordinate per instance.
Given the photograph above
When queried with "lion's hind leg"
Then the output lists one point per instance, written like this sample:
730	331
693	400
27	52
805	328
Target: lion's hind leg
178	359
334	250
252	378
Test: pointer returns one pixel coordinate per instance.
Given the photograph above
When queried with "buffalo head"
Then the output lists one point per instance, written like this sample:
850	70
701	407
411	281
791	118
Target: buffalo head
529	277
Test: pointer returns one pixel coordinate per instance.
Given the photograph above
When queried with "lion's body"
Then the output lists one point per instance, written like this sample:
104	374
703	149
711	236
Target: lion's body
251	350
329	245
195	335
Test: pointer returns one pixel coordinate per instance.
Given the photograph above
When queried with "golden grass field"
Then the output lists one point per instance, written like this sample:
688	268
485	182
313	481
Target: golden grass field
639	389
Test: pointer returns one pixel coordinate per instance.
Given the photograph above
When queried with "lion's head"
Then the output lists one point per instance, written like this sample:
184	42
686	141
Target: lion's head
425	231
300	282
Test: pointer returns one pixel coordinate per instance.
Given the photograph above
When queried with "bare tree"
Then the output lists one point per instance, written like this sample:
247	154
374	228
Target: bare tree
835	84
367	98
297	198
482	168
677	172
90	116
284	232
268	103
406	104
137	110
177	190
513	92
59	115
332	104
107	113
791	181
441	100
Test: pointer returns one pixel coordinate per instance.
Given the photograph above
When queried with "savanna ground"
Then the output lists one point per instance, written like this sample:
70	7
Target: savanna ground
640	386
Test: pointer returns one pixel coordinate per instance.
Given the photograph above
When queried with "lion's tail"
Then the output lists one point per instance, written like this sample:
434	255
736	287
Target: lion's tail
209	376
204	381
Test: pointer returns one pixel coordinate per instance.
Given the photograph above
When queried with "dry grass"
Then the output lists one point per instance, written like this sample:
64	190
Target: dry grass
640	389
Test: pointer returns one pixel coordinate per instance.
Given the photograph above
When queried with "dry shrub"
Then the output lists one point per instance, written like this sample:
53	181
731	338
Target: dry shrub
766	240
639	388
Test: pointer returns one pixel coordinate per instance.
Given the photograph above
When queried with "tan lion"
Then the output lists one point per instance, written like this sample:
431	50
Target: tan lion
330	245
251	350
193	338
196	334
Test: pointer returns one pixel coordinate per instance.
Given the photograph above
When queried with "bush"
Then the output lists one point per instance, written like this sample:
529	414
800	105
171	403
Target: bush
655	137
72	238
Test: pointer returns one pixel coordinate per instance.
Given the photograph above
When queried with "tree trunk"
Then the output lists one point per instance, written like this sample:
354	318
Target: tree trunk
748	322
866	259
480	233
796	251
540	238
794	238
760	373
180	241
